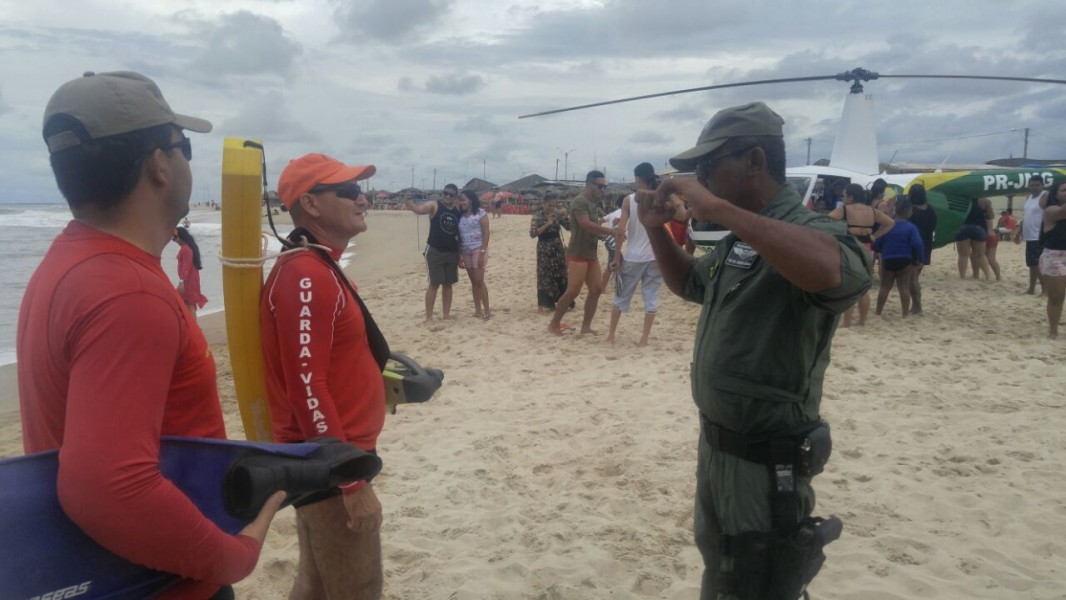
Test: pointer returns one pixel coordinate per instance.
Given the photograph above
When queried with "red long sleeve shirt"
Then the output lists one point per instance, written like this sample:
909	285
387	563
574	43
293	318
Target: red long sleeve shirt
109	360
322	379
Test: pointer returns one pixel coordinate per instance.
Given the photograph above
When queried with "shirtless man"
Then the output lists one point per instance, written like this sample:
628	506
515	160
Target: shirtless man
582	258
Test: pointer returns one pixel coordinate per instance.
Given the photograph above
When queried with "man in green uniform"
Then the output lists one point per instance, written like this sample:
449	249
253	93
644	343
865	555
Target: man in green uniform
582	258
772	293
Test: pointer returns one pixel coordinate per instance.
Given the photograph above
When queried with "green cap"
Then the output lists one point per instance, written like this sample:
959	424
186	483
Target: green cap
109	104
748	119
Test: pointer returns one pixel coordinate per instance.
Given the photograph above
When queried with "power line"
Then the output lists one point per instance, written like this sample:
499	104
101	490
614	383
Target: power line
964	137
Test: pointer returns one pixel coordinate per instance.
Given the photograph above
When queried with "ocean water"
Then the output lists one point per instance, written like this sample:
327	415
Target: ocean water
28	230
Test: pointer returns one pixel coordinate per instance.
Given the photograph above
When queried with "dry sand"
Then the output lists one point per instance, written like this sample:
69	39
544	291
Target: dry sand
564	468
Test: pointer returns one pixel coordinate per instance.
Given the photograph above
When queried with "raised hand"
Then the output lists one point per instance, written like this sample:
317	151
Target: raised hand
653	210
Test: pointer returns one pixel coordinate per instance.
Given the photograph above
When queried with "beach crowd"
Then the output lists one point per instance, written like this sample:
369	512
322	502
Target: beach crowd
101	323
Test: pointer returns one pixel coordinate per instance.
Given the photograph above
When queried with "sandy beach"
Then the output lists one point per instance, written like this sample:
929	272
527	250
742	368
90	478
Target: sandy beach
563	468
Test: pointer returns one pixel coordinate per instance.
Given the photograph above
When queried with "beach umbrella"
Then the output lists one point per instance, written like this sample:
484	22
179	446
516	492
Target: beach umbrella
486	196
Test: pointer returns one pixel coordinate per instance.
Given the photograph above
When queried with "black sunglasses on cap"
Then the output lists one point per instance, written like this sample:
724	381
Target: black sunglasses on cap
349	190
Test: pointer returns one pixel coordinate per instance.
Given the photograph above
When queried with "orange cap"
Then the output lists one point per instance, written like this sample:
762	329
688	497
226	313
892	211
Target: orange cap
310	170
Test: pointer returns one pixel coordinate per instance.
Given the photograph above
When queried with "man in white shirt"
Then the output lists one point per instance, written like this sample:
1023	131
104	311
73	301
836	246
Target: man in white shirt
634	260
1032	221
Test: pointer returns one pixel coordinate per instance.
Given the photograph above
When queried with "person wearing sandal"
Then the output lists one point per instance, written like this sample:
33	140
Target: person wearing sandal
474	249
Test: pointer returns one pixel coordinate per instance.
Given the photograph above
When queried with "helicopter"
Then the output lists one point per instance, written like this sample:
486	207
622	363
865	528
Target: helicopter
854	157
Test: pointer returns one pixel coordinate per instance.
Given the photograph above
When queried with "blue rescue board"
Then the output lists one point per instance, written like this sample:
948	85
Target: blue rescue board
45	556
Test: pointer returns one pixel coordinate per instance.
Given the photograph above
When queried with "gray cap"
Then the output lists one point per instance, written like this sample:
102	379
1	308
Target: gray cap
109	104
748	119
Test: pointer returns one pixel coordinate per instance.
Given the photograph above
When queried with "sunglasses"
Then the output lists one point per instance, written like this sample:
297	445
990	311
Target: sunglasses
184	144
349	191
602	186
705	166
450	194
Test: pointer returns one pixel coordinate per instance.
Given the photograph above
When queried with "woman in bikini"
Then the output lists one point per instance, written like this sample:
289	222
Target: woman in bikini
862	222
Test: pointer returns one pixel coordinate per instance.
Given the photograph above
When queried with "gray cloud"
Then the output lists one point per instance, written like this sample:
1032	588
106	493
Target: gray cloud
346	100
479	124
266	116
682	114
391	20
365	142
244	43
590	68
652	138
455	84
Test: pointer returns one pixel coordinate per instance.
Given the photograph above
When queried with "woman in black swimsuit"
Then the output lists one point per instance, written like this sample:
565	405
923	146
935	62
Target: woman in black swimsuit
863	221
924	218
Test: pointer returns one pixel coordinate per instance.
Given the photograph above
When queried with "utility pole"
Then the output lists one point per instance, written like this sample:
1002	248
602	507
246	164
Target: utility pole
483	175
566	163
557	169
412	176
434	178
1025	149
808	151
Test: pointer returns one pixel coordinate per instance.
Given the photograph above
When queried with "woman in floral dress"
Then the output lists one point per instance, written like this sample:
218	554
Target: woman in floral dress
551	255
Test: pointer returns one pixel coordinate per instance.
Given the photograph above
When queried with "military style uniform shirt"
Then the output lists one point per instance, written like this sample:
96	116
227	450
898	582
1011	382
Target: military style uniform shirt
583	244
762	344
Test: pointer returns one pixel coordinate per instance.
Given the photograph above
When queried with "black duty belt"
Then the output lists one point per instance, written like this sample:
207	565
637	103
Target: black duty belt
780	450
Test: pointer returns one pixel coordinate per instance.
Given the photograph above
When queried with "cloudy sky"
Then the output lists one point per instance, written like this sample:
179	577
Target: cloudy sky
417	86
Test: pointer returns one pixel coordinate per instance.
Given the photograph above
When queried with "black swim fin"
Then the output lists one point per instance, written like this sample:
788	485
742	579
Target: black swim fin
254	477
406	381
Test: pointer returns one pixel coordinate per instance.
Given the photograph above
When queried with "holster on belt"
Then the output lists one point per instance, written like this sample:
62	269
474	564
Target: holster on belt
807	448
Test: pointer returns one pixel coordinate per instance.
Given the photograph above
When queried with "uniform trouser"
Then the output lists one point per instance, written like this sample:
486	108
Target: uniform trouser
732	497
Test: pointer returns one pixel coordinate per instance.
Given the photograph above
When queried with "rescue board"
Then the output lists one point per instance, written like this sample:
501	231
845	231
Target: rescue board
45	555
242	239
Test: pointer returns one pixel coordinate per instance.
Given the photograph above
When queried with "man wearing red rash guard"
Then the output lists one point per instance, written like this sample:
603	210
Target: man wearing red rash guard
323	378
109	359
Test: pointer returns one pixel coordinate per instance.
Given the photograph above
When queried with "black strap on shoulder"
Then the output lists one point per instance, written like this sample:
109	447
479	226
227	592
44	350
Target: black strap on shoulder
379	346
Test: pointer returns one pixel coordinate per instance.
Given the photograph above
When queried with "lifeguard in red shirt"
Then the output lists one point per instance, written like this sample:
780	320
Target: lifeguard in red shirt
109	359
322	377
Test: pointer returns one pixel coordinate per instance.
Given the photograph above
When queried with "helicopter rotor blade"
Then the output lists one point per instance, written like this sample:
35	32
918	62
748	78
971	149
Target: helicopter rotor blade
854	75
984	77
674	92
